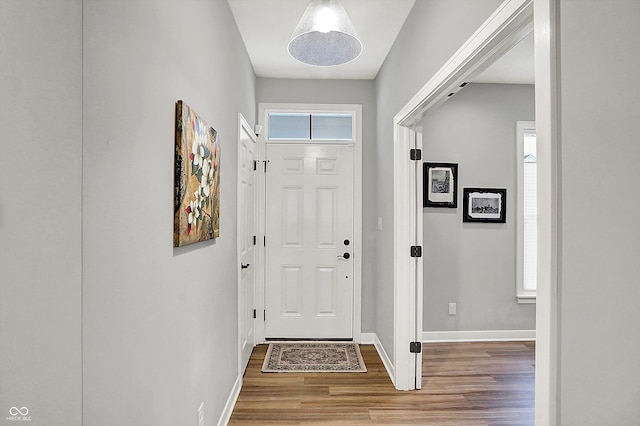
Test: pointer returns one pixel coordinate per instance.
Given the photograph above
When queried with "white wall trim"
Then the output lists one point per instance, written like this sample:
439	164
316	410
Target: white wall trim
479	336
367	339
384	357
546	73
509	24
225	416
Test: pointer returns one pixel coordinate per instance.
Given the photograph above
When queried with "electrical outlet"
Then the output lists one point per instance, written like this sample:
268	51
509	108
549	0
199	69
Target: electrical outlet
452	308
201	414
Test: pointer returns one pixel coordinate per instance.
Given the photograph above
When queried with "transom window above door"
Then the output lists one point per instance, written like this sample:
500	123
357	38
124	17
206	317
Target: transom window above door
296	126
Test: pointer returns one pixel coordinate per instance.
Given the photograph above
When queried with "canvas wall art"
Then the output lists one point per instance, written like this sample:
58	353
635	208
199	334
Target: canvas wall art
196	179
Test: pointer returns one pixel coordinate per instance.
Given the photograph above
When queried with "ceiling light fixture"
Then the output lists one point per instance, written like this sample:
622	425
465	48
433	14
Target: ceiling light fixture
325	35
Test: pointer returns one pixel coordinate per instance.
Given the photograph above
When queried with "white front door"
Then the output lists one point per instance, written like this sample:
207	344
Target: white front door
246	241
309	227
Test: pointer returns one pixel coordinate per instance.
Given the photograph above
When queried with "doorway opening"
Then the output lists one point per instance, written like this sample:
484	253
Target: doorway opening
505	28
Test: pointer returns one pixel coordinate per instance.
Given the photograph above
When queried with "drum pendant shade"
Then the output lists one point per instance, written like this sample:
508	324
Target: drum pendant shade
325	35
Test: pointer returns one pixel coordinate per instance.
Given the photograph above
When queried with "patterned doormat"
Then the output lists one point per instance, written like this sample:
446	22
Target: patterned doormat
313	357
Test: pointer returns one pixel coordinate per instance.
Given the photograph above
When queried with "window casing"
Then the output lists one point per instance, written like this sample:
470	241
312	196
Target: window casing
527	240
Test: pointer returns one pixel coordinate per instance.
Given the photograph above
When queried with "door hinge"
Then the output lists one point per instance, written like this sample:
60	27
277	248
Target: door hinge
255	164
415	347
416	251
265	165
264	317
255	314
255	240
264	241
415	154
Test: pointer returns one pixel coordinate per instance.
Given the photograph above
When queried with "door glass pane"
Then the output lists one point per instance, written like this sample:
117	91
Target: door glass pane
332	127
289	126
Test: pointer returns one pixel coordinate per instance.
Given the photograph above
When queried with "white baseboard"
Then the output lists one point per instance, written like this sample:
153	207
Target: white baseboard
367	338
231	402
372	339
391	371
478	336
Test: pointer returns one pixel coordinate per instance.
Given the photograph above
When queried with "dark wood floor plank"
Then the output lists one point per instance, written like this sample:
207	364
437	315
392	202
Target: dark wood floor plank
464	384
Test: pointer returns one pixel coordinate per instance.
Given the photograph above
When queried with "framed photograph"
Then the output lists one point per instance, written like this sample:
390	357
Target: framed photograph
440	185
484	205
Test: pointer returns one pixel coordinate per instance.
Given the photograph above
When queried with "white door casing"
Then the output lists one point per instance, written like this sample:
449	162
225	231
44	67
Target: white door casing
309	224
247	192
502	30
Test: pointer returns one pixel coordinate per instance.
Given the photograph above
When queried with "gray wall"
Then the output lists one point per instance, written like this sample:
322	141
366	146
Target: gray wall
343	92
474	264
160	324
599	268
434	30
40	210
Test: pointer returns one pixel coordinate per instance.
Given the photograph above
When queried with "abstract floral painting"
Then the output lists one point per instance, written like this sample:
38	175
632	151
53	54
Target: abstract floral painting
196	179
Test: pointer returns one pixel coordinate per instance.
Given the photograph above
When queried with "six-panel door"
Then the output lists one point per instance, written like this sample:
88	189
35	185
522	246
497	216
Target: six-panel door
309	261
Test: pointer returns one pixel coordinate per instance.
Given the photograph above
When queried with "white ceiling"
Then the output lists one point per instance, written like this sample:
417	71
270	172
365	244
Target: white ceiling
266	27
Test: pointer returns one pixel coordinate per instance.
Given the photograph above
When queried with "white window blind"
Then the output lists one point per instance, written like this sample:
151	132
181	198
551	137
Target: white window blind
527	252
530	210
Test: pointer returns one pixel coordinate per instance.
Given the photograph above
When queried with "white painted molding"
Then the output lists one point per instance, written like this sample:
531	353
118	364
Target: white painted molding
548	154
367	339
479	336
231	403
509	24
385	358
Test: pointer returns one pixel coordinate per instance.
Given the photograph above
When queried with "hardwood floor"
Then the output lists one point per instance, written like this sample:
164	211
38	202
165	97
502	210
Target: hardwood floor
484	383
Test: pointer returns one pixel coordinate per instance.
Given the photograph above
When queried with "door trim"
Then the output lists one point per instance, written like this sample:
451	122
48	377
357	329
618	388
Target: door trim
503	29
263	110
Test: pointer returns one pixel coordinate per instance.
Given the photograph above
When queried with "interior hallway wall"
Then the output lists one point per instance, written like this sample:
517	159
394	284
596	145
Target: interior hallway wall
160	323
270	90
599	269
40	210
474	264
433	32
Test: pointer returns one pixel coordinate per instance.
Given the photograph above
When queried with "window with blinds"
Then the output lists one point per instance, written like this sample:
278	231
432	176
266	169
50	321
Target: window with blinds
527	213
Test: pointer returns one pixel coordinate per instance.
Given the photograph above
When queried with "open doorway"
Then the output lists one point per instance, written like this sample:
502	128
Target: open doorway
505	28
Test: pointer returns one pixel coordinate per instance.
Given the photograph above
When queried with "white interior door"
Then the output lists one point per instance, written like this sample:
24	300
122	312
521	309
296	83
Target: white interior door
309	227
246	241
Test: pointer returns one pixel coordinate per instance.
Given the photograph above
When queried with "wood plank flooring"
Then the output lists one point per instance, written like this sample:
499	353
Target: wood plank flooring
464	384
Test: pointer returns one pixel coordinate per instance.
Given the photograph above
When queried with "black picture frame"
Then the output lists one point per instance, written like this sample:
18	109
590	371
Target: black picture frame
440	185
486	205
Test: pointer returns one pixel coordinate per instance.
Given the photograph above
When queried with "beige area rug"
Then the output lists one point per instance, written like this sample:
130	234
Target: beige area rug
313	357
